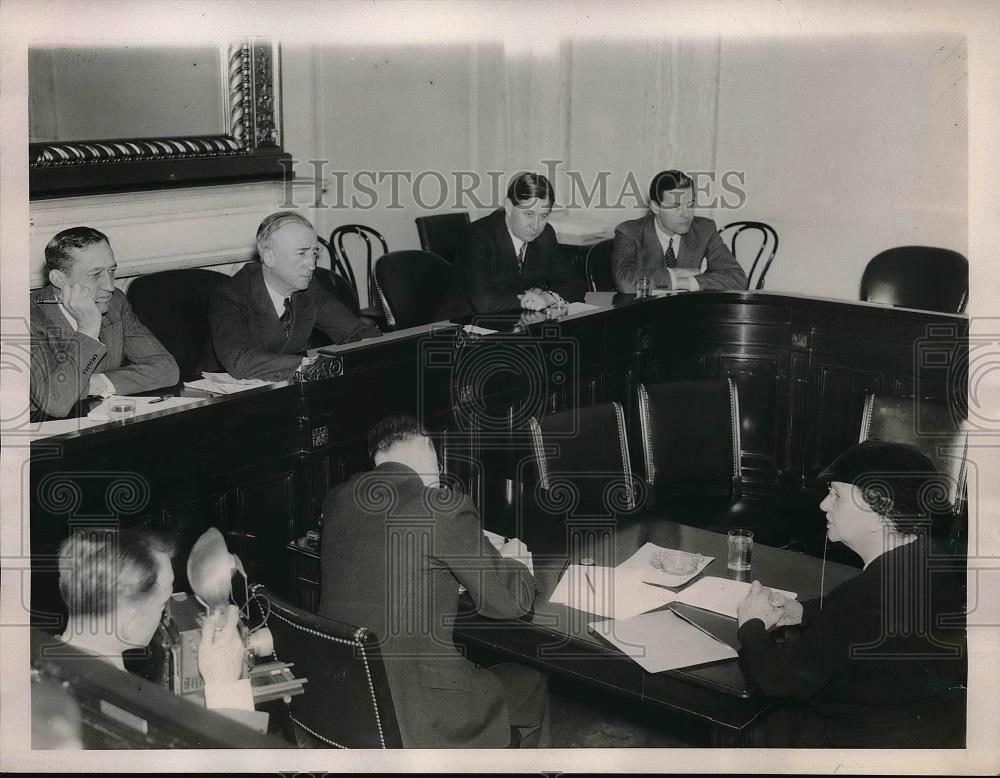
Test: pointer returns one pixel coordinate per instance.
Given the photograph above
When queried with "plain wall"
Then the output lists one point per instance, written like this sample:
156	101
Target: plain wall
849	146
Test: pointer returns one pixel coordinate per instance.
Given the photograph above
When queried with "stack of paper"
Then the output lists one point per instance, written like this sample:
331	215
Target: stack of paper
720	595
642	561
223	383
662	641
608	591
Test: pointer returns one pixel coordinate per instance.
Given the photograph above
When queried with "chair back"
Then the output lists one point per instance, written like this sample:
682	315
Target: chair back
930	427
414	287
691	437
347	702
173	304
757	235
372	240
582	461
922	277
598	267
442	233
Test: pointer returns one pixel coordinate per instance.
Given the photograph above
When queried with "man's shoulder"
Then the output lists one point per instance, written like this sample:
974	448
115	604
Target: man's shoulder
486	225
704	225
240	283
633	227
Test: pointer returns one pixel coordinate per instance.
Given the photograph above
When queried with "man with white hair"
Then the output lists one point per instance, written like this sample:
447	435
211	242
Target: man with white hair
262	317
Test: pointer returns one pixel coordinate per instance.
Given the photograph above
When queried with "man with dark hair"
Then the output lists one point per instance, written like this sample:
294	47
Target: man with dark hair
85	338
262	317
510	259
875	663
395	548
669	244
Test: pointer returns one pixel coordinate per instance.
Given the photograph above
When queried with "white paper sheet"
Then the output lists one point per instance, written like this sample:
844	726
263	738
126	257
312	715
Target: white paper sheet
223	383
45	429
641	560
608	591
662	641
572	308
720	595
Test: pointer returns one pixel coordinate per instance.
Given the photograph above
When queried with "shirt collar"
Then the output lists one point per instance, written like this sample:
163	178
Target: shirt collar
277	300
665	239
516	241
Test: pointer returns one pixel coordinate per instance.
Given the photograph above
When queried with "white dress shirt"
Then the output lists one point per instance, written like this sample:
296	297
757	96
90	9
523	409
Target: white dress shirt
672	239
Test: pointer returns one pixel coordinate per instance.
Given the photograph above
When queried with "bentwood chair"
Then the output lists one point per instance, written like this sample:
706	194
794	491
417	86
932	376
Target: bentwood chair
414	288
173	304
582	462
763	237
690	437
347	702
442	233
598	267
922	277
372	241
940	436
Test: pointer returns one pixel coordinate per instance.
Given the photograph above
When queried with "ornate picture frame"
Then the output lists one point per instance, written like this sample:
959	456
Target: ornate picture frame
249	150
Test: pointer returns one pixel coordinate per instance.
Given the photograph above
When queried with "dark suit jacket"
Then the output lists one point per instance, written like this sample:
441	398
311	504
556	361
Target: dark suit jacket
637	252
487	266
63	360
247	334
393	555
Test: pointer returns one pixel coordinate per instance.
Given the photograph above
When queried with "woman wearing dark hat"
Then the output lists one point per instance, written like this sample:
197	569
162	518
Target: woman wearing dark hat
871	665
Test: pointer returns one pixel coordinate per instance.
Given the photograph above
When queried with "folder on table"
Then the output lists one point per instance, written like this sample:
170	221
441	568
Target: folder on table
662	641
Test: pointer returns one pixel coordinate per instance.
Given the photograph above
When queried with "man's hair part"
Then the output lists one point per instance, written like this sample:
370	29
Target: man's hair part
393	429
99	568
58	250
668	181
525	187
275	222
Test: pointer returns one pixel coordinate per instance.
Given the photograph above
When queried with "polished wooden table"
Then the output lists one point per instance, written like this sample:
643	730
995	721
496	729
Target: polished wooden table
557	639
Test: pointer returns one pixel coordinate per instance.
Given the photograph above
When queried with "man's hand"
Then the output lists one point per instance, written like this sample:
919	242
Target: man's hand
790	610
221	651
532	301
79	301
757	605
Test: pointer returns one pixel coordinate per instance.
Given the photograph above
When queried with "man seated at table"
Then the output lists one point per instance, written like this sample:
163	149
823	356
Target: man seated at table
669	244
262	317
116	583
510	259
85	337
871	665
395	547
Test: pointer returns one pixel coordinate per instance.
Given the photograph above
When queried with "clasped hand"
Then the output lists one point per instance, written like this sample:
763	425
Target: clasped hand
771	607
535	299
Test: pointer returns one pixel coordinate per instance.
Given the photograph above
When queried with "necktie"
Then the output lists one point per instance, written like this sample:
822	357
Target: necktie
668	256
520	257
286	317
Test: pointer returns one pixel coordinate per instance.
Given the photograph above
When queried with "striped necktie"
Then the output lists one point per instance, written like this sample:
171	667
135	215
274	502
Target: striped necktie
669	258
286	317
520	257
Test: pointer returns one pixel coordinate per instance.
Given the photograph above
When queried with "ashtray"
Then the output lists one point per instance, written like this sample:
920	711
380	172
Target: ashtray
675	562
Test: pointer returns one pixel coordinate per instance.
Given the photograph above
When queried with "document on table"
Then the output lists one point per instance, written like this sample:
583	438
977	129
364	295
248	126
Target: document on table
572	308
511	549
143	405
720	595
642	561
608	592
662	641
223	383
45	429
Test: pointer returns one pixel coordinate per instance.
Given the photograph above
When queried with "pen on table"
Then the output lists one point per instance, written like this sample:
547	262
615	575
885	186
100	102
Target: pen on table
586	574
160	399
48	302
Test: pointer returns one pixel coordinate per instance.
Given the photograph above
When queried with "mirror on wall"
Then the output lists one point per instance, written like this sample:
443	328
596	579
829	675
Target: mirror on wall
114	118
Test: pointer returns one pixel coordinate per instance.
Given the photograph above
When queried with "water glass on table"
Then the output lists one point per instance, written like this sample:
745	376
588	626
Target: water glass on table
740	549
643	287
121	409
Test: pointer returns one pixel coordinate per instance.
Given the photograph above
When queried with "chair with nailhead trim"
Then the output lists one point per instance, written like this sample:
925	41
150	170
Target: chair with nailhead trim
347	702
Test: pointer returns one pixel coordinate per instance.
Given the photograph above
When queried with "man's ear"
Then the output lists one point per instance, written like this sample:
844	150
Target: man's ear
266	255
508	206
58	279
654	207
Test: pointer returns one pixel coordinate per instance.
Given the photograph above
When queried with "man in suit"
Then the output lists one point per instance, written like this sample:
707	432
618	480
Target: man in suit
262	317
85	338
510	259
668	244
395	548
